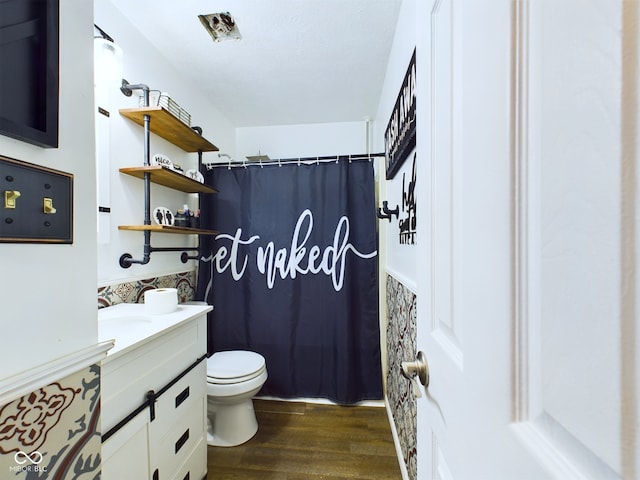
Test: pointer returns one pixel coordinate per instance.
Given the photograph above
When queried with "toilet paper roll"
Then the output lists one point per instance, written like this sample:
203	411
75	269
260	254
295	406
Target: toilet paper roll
161	301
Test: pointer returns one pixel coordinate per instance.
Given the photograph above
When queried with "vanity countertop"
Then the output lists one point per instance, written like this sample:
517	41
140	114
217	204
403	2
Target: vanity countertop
130	326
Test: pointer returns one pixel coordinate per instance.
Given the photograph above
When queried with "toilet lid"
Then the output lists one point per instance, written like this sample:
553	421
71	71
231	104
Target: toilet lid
234	366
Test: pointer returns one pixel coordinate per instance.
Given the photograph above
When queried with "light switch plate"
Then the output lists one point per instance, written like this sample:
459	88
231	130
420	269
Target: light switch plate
40	203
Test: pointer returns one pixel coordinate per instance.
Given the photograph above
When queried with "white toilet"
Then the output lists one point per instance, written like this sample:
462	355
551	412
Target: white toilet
233	378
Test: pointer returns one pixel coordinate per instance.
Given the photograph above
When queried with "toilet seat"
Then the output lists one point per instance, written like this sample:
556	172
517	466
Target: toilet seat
234	366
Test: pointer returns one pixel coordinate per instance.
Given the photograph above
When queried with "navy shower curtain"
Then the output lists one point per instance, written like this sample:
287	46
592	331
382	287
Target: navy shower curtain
293	275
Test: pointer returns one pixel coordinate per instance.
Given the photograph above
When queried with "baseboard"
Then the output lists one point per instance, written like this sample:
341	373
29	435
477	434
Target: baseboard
323	401
396	441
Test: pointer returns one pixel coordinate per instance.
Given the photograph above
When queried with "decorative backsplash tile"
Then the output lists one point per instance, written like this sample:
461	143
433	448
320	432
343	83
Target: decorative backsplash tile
133	292
54	432
401	346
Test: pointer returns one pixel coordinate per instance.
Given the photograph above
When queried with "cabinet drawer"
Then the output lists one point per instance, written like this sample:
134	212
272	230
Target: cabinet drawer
195	468
170	451
181	399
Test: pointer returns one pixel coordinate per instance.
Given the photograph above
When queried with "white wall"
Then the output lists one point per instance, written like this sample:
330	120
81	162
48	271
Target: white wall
399	260
395	259
310	140
48	292
144	64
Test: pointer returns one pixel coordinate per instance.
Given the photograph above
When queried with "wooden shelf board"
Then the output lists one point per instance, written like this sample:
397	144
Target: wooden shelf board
165	125
168	229
169	178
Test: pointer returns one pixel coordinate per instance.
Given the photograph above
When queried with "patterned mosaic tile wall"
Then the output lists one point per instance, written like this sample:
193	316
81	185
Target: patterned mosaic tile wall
54	432
133	292
401	346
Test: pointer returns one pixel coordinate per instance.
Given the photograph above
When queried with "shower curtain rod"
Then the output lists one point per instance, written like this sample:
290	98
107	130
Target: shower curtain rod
287	161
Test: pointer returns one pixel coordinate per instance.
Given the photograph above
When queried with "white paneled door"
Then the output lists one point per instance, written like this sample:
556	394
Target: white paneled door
528	292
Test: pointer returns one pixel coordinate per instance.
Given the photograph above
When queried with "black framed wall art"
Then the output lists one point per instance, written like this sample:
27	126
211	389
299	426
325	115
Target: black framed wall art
29	70
400	135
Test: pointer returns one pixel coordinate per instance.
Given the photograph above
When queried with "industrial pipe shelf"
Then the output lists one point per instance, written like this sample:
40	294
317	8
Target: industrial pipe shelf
168	178
168	229
161	122
165	125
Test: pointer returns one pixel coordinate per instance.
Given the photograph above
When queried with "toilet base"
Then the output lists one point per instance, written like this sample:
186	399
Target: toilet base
231	424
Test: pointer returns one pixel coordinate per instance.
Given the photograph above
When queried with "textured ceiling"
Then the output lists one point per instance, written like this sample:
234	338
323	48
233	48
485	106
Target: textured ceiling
299	61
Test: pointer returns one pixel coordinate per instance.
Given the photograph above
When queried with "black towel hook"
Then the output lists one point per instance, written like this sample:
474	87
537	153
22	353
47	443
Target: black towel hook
385	212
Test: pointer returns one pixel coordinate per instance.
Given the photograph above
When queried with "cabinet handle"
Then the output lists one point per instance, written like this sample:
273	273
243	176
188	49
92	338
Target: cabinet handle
182	440
151	398
187	476
156	475
182	396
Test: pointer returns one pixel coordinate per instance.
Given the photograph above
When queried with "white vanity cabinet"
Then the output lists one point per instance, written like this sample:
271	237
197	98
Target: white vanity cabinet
153	394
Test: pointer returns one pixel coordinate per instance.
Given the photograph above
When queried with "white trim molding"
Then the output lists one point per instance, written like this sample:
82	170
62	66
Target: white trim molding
14	387
396	440
520	213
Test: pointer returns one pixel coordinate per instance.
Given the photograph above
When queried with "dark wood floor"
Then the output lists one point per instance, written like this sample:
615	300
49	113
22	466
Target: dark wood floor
302	441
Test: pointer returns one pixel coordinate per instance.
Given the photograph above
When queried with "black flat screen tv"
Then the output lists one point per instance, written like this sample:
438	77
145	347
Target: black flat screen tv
29	71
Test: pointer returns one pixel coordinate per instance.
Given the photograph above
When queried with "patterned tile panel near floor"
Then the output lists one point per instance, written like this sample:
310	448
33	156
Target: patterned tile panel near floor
401	346
133	292
54	432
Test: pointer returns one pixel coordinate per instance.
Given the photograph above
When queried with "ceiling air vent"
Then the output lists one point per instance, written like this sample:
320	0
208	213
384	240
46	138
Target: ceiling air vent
221	26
